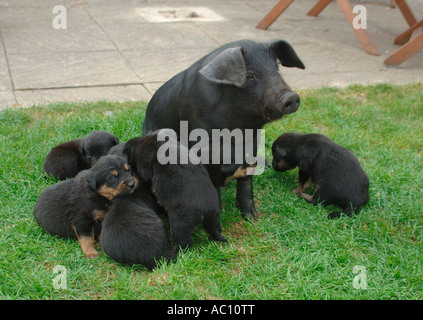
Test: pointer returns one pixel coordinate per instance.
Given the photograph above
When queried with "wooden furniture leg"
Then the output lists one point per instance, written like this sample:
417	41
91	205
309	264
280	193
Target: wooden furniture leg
274	14
406	51
405	36
318	7
406	12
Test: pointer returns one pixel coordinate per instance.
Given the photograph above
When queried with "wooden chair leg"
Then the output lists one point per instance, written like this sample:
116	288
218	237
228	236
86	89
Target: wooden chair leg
406	12
405	36
274	14
318	7
361	34
406	51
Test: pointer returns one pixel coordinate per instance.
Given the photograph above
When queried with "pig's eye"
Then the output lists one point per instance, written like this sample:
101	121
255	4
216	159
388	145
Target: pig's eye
250	76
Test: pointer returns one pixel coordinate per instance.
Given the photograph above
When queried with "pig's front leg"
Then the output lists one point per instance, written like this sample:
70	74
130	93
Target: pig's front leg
245	198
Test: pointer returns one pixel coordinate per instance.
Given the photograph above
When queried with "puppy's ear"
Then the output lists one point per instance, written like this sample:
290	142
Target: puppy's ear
127	149
82	147
92	182
228	67
281	152
283	51
115	140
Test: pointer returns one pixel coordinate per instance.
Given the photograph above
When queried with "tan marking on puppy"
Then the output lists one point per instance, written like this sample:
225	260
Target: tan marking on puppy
115	173
99	215
281	164
306	196
303	188
126	167
308	183
136	182
156	196
87	244
239	173
108	192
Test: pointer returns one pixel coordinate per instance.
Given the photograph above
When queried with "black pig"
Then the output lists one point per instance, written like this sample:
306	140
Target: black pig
236	86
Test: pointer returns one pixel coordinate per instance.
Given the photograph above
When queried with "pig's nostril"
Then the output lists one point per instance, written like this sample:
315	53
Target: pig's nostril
291	102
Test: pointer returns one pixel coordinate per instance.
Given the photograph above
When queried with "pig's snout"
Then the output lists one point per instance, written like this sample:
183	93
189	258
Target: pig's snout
290	102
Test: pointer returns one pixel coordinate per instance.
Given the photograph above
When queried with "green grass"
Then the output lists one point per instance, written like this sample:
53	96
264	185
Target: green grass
292	252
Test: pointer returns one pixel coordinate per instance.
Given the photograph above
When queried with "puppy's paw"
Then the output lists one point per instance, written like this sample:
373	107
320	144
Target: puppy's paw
306	197
296	191
91	254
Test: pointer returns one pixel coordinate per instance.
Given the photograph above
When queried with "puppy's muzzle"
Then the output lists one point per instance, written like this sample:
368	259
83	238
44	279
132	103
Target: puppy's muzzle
131	184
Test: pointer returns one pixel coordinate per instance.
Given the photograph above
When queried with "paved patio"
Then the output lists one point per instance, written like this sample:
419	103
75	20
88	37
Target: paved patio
112	51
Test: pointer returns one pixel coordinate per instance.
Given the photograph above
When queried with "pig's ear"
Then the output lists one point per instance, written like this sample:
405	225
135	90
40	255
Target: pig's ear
285	53
228	67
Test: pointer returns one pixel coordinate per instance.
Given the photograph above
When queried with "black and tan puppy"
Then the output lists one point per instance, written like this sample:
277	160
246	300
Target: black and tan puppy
184	190
67	159
133	233
70	208
338	176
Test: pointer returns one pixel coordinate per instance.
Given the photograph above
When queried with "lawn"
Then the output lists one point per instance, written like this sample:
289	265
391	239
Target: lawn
292	252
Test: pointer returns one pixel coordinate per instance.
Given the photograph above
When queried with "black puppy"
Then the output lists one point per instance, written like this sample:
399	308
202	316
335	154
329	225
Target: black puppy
67	159
70	208
184	190
132	231
338	176
235	86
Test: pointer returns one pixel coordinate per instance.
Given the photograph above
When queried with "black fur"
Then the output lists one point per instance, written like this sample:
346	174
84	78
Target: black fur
338	176
67	159
132	231
118	150
235	86
184	190
70	208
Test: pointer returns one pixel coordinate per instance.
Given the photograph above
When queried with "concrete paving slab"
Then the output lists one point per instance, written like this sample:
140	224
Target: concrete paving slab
7	100
31	31
70	69
166	61
7	97
135	33
29	98
5	81
39	3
